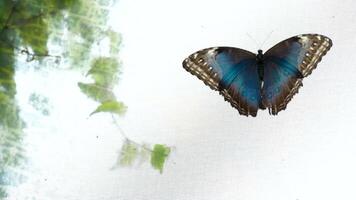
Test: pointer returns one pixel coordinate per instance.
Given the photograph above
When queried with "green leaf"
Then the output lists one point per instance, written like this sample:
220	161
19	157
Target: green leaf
104	71
111	107
96	92
128	153
159	155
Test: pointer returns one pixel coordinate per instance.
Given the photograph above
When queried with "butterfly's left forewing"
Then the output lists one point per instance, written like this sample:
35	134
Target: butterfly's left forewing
231	71
286	64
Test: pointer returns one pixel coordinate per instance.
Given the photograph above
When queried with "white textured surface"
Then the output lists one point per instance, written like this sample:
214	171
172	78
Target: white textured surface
306	152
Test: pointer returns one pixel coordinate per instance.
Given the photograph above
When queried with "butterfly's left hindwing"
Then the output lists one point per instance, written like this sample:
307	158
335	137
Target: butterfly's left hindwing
286	64
231	71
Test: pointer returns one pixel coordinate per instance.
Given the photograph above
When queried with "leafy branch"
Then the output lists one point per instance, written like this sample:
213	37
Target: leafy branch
132	151
27	27
104	71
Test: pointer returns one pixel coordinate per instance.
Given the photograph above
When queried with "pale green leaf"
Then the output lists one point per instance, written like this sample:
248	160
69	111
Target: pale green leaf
114	107
128	154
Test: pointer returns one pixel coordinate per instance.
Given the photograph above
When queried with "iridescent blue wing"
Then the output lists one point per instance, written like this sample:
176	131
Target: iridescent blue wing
232	72
286	64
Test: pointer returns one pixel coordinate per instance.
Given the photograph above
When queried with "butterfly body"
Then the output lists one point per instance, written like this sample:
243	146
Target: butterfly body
259	61
257	81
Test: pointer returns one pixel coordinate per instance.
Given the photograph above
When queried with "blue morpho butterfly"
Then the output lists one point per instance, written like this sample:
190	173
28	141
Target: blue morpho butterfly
249	81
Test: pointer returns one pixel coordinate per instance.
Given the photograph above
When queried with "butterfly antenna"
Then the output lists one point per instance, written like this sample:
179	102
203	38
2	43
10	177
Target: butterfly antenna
248	35
268	36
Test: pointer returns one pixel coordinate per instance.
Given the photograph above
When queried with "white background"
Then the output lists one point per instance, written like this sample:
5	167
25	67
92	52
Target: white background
305	153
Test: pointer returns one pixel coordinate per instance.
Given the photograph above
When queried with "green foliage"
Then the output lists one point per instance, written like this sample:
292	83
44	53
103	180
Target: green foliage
104	71
73	27
28	27
111	107
159	155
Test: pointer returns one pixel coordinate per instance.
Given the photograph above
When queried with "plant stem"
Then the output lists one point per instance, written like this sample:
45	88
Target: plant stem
125	136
